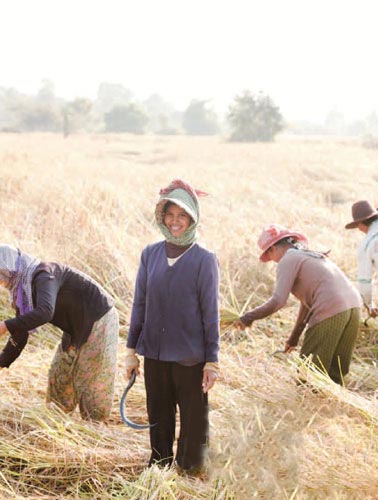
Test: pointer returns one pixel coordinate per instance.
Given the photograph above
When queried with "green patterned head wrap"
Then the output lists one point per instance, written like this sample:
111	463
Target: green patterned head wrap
182	194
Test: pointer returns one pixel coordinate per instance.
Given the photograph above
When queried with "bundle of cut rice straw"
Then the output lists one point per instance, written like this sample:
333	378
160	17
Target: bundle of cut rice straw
228	317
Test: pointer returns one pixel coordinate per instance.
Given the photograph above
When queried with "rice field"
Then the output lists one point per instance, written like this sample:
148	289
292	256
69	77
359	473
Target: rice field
88	201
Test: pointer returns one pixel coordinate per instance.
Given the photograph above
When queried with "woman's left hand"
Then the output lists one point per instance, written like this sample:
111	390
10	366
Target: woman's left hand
3	328
208	380
373	312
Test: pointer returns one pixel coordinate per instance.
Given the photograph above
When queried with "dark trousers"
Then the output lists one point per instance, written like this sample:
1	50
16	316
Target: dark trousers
169	384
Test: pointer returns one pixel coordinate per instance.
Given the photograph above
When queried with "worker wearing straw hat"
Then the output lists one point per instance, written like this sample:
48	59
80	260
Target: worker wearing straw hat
83	369
365	218
329	304
175	326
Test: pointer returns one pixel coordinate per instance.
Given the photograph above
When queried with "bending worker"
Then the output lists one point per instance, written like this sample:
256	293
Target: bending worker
329	304
84	367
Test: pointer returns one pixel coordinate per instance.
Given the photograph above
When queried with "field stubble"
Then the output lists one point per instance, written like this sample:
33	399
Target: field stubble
88	201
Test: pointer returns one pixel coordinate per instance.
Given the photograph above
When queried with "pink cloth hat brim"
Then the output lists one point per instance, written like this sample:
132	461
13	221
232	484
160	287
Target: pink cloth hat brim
298	236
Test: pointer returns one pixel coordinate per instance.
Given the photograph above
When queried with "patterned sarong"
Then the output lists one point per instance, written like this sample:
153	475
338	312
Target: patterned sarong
85	376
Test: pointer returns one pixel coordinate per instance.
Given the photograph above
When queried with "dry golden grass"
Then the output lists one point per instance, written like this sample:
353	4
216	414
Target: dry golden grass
88	201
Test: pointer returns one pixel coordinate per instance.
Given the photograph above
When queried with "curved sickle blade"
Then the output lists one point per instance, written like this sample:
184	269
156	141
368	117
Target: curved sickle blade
279	351
122	406
271	356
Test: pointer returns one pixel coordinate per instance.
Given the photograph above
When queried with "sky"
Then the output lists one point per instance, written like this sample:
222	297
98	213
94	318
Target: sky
310	56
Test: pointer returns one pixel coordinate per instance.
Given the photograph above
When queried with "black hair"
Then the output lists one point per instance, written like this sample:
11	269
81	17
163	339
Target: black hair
294	243
289	240
369	221
167	205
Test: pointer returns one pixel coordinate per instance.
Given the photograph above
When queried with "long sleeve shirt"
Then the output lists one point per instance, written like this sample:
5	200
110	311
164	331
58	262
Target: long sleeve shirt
63	296
175	314
322	288
368	263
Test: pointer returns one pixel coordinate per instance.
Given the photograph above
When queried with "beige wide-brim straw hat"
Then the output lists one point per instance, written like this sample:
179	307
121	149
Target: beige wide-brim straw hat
361	210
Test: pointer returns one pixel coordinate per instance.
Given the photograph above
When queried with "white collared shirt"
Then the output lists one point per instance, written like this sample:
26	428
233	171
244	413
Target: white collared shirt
368	263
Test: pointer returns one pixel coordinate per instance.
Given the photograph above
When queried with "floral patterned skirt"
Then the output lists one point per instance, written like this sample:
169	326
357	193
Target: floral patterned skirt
85	376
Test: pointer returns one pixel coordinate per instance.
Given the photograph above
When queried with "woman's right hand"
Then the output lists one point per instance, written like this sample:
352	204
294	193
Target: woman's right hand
3	328
288	347
129	372
132	363
291	343
240	325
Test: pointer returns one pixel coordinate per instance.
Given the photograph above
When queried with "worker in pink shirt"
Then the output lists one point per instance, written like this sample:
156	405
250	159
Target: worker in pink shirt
329	303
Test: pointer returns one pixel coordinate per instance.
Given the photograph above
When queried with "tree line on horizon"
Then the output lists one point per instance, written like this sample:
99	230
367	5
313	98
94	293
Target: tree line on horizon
251	116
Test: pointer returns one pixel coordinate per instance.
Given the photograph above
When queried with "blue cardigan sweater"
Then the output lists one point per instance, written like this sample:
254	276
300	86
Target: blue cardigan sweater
175	314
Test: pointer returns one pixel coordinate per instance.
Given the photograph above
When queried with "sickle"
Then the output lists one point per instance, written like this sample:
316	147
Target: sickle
271	356
122	406
279	351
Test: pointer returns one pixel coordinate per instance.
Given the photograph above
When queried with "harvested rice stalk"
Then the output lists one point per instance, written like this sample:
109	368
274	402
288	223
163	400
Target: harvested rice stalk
228	317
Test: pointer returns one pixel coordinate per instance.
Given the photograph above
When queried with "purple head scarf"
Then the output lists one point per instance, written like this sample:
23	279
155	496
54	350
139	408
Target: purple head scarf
16	273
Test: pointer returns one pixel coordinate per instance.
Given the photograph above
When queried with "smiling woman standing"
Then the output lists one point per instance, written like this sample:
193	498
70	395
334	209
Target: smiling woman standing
175	326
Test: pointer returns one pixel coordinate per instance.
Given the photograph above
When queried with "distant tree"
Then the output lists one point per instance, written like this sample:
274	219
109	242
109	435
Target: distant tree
23	112
77	115
161	115
199	119
40	117
9	100
254	118
372	122
129	118
164	126
303	127
41	112
46	93
365	127
110	95
335	122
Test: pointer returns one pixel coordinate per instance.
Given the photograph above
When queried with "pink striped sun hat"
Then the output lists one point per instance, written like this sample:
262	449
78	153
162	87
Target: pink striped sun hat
273	233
